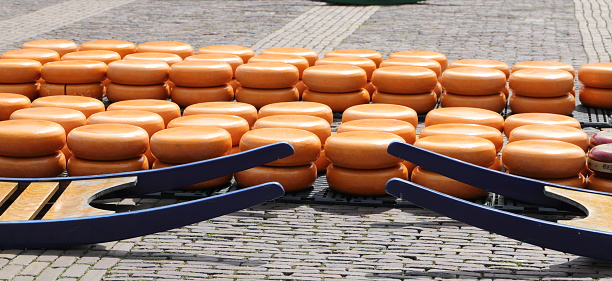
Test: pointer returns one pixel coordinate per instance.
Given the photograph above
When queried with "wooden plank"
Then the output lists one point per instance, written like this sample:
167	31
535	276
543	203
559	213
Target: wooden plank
6	190
30	201
597	206
74	201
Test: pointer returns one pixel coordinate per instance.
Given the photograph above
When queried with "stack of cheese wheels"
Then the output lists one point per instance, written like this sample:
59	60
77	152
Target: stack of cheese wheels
295	172
439	57
243	52
366	64
419	62
31	148
182	145
599	164
233	60
298	61
61	46
107	148
166	109
335	85
360	164
200	81
20	76
597	81
235	125
178	48
381	111
168	58
137	79
298	108
122	47
310	55
542	90
486	64
472	86
467	115
86	105
410	86
41	55
471	149
10	103
263	83
240	109
546	65
516	120
73	77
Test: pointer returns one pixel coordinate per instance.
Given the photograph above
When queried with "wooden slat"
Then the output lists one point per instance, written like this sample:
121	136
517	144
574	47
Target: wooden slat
30	201
6	190
74	201
597	206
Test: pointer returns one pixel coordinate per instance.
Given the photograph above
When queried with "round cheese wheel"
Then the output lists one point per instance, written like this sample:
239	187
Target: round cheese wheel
471	149
445	185
137	72
83	167
485	132
600	159
186	96
308	54
33	167
149	121
596	75
86	105
95	55
233	60
598	183
338	102
541	83
243	52
74	72
414	61
601	137
381	111
168	58
307	145
404	79
166	109
362	149
315	125
299	108
551	132
363	182
321	163
93	90
595	97
178	48
439	57
300	62
262	97
516	120
108	141
10	103
66	117
364	63
189	144
465	115
421	103
543	158
375	56
235	125
578	181
502	66
62	47
334	78
494	102
119	92
29	90
16	71
200	73
398	127
267	75
473	81
41	55
122	47
30	138
292	179
544	65
558	105
218	182
240	109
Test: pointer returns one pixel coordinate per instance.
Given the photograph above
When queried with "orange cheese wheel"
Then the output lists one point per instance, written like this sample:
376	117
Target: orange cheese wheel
308	54
267	75
186	96
108	141
66	117
370	88
445	185
307	145
596	75
30	138
93	90
41	55
95	55
149	121
74	72
558	105
235	125
322	162
497	164
243	52
122	47
421	103
29	90
485	132
595	97
137	72
15	71
471	149
189	144
543	158
541	83
62	47
551	132
398	127
235	85
381	111
375	56
218	182
599	183
338	102
300	62
516	120
366	64
166	109
200	73
544	65
473	81
10	103
86	105
83	167
361	149
465	115
233	60
168	58
178	48
33	167
292	179
315	125
502	66
363	182
262	97
578	181
439	57
298	108
409	166
118	92
404	79
240	109
414	61
494	102
334	78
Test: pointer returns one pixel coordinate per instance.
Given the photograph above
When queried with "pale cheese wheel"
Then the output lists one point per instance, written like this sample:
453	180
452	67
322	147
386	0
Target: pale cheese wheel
516	120
551	132
262	97
558	105
541	83
41	55
473	81
189	144
33	167
108	141
404	80
299	62
267	75
597	183
86	105
362	149
240	109
482	131
322	162
61	46
595	97
398	127
334	78
544	65
236	126
485	63
446	185
439	57
471	149
601	137
364	63
168	58
494	102
294	178
543	158
95	55
233	60
214	183
578	181
243	52
137	72
363	182
122	47
421	103
414	61
93	90
178	48
66	117
30	138
149	121
375	56
381	111
200	73
10	103
186	96
306	53
119	92
17	71
74	72
467	115
299	108
83	167
306	145
166	109
29	90
338	102
315	125
596	75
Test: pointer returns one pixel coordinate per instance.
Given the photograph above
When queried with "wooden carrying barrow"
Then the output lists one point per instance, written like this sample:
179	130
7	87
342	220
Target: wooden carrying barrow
590	236
70	220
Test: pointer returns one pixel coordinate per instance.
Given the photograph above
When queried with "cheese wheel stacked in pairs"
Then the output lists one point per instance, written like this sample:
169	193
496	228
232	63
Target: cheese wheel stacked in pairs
137	79
10	103
600	162
20	76
200	81
74	77
409	86
123	48
494	64
338	86
232	60
263	83
419	62
542	90
547	65
368	60
310	55
298	61
596	79
240	109
244	53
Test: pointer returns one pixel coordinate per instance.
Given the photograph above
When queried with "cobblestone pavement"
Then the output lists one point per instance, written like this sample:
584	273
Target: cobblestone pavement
283	241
